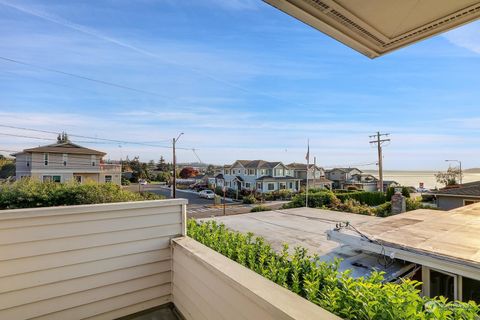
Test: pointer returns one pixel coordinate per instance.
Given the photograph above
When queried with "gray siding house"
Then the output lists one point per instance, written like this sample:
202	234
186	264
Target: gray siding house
463	195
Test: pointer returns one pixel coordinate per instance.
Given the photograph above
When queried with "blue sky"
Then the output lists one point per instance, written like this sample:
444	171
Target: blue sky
239	78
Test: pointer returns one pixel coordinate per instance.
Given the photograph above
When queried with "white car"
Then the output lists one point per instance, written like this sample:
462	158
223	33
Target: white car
143	182
208	194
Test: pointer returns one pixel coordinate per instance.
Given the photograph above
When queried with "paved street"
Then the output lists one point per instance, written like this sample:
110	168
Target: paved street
200	207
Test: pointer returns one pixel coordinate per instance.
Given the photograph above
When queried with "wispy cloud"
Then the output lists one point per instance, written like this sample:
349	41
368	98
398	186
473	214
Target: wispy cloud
467	37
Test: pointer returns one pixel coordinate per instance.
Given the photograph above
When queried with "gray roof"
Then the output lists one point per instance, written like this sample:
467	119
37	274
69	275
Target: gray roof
344	169
258	164
277	178
471	189
301	166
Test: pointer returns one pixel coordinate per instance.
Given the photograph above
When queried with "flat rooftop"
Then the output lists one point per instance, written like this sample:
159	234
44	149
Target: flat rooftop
451	235
307	228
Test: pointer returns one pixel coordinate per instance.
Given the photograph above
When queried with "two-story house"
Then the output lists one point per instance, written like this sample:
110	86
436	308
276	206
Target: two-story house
339	176
259	175
65	161
315	174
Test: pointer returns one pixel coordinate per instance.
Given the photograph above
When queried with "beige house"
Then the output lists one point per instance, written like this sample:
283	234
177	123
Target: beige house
65	161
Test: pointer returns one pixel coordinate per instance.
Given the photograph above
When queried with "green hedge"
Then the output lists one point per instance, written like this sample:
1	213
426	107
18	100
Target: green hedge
260	208
321	282
315	200
27	193
364	197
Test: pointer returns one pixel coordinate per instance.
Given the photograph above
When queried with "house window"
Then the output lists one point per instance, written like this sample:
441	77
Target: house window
271	186
290	185
251	172
259	185
247	185
93	160
28	161
470	290
45	159
51	179
65	158
78	179
108	179
283	185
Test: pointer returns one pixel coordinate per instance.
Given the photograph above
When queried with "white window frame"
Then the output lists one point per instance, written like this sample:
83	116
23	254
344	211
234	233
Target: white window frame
65	159
457	282
268	186
93	159
111	178
45	159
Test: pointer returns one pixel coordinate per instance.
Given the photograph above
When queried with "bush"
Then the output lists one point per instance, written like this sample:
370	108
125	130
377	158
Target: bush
315	200
321	283
28	193
384	210
391	192
125	182
250	199
260	208
364	197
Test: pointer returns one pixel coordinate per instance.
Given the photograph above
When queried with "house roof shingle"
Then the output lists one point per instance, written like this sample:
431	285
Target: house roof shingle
471	189
64	147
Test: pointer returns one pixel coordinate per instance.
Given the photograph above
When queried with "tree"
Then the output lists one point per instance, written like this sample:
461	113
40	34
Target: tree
188	172
450	177
210	170
7	167
164	177
162	165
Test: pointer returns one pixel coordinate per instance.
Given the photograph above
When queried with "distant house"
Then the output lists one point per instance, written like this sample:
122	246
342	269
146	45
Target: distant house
316	175
258	175
65	161
340	176
462	195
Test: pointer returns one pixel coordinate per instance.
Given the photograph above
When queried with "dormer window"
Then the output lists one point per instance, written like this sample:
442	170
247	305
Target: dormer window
45	159
65	159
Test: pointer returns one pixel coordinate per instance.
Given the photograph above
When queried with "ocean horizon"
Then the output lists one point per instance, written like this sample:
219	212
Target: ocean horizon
414	178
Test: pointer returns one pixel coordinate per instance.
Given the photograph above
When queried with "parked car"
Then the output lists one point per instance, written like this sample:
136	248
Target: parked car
143	182
208	194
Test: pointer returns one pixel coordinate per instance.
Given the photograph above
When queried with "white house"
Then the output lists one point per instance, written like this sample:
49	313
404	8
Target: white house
259	175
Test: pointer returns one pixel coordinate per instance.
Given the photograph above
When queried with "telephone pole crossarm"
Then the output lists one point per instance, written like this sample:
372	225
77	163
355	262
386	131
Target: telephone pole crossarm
379	141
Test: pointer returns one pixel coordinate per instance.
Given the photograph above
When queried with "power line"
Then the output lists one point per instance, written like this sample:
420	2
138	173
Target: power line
94	33
116	85
85	137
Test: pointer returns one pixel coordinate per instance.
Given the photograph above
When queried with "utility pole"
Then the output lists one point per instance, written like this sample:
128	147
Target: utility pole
379	141
314	171
174	186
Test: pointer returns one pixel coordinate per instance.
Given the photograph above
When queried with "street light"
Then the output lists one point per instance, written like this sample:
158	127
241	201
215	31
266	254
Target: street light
460	165
174	187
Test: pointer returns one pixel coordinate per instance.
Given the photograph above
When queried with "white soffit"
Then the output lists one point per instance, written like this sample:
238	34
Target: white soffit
377	27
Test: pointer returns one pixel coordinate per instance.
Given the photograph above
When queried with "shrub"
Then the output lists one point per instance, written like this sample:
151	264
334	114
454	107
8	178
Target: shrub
364	197
125	181
28	193
260	208
315	200
250	199
391	192
321	282
384	210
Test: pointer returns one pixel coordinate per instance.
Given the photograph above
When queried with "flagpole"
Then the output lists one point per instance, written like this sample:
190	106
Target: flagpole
308	164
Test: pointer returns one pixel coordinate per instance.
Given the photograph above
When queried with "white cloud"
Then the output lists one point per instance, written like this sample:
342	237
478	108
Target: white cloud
467	37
